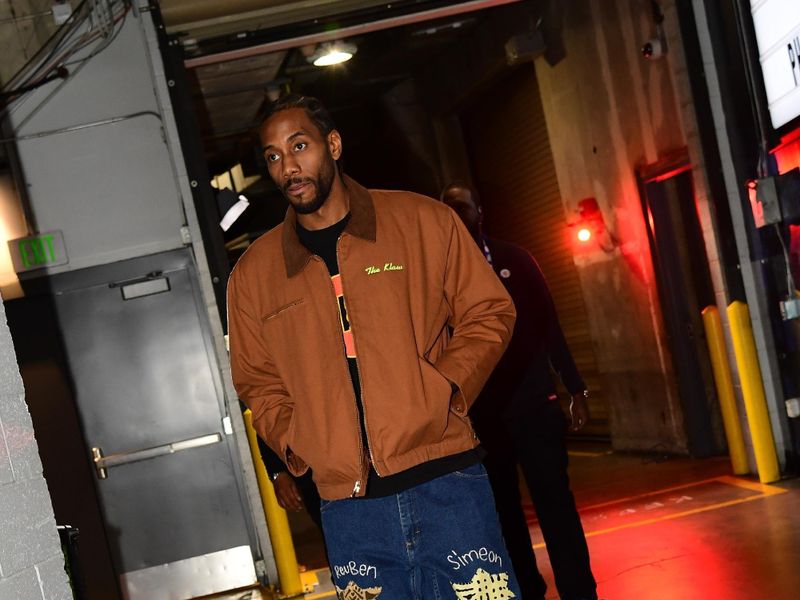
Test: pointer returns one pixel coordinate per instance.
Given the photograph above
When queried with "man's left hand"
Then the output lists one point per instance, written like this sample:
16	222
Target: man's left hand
286	492
579	410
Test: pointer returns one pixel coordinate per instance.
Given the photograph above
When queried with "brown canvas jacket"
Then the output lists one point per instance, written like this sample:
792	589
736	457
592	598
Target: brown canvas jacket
426	309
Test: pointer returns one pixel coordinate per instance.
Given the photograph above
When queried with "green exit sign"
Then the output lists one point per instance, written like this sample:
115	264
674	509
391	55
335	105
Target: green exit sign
38	251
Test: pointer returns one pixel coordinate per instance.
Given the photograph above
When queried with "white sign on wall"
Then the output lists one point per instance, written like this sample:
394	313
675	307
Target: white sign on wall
777	25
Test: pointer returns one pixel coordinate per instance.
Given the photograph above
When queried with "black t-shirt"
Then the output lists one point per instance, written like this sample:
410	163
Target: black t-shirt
322	242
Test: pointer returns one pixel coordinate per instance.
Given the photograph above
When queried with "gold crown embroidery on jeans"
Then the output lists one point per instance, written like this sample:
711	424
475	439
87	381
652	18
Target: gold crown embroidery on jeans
354	592
484	586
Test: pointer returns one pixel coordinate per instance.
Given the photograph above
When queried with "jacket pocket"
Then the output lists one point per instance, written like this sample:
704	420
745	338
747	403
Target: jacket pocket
434	381
282	309
437	397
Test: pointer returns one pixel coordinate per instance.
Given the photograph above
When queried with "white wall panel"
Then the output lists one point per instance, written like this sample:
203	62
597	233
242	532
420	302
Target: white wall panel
111	189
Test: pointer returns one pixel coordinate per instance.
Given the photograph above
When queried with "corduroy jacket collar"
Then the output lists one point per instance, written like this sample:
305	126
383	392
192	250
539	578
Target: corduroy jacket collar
362	224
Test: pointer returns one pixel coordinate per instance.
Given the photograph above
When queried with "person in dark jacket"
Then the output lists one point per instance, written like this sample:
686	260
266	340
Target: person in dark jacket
519	420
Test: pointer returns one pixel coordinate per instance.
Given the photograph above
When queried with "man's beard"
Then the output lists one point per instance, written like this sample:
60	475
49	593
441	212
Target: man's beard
322	184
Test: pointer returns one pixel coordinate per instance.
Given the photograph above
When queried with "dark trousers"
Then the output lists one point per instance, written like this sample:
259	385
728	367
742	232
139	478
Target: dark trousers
504	481
308	491
539	447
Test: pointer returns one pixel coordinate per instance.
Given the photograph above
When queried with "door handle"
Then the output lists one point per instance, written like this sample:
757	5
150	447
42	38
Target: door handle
103	463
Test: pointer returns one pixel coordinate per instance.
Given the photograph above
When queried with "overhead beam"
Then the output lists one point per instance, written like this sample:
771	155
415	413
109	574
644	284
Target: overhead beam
337	34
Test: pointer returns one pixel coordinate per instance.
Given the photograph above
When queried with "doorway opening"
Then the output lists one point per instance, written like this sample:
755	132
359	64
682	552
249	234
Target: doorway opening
685	289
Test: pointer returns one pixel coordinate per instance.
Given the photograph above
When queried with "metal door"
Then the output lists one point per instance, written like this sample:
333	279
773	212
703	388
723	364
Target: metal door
152	411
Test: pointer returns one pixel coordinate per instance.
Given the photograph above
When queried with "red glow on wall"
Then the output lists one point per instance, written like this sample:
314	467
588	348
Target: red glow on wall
587	231
787	154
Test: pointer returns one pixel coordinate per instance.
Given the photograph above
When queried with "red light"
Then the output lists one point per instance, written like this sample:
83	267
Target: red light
584	235
788	152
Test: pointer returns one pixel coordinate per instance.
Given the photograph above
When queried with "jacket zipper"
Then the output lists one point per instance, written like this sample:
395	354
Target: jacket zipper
363	407
359	413
357	486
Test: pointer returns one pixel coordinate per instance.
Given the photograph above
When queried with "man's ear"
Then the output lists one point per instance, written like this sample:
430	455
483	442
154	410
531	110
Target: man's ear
335	144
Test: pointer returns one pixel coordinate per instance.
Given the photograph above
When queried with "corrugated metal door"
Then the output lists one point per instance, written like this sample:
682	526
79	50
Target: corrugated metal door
513	169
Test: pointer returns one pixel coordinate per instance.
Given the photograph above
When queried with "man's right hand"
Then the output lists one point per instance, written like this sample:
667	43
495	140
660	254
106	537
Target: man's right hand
286	492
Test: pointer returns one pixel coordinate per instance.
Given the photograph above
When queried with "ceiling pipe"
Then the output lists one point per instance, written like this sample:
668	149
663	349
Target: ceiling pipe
338	34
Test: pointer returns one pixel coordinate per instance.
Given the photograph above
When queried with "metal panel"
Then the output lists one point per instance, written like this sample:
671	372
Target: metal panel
143	380
191	578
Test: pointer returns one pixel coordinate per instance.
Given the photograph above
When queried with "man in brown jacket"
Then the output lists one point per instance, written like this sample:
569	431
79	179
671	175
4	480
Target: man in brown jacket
362	329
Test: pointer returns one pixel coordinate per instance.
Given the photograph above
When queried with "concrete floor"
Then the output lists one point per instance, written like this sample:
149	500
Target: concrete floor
658	528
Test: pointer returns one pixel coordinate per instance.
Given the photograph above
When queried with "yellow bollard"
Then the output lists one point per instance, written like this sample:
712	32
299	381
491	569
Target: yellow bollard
277	522
727	400
753	391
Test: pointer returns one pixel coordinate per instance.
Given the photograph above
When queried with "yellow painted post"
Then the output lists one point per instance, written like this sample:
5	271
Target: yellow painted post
277	521
727	400
755	401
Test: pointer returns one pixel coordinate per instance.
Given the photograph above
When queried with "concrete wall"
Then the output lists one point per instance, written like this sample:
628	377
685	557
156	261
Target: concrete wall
31	561
608	111
24	26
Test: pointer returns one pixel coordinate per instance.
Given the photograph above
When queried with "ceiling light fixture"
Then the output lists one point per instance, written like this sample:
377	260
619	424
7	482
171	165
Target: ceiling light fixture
333	54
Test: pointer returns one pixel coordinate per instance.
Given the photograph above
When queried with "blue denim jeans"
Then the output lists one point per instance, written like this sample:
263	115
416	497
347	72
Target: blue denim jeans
440	539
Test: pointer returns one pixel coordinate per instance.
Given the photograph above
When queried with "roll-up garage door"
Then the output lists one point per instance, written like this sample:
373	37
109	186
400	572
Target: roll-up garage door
513	168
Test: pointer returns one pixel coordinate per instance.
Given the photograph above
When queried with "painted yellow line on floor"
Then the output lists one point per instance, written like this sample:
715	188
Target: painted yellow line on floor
665	490
764	493
766	490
